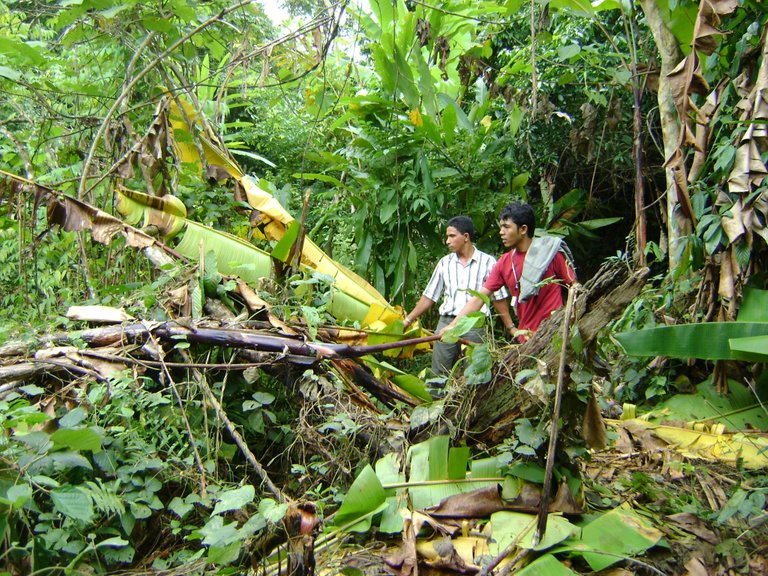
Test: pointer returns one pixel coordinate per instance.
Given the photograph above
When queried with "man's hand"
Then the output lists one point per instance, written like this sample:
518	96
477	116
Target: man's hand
444	329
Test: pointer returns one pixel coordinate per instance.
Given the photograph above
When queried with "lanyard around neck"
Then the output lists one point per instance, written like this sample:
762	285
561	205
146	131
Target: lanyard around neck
514	272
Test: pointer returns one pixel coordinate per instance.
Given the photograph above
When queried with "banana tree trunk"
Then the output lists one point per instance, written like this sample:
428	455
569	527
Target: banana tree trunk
677	224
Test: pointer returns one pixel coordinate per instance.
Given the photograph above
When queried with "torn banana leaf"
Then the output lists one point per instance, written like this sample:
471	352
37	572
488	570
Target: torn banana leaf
275	219
234	256
713	443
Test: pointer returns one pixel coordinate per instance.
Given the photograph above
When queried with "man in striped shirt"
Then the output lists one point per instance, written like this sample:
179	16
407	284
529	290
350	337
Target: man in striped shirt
465	268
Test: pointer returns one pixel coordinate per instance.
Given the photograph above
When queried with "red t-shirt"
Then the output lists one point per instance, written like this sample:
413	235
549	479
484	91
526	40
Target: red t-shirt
537	308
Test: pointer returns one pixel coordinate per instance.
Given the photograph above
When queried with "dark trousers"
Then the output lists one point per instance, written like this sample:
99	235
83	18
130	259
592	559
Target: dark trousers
444	355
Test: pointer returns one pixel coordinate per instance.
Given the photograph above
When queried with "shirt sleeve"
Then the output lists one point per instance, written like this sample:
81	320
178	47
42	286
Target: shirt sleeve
435	286
495	279
562	270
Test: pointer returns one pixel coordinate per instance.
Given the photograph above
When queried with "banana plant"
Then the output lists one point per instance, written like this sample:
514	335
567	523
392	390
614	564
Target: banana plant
234	255
370	307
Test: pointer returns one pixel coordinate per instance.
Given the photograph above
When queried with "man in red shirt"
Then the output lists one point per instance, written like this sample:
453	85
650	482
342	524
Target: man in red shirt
534	271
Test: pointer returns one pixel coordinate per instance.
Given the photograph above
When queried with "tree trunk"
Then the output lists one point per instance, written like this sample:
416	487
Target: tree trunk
669	53
502	402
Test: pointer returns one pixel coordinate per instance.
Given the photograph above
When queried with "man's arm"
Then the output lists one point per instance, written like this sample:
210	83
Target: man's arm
422	306
502	309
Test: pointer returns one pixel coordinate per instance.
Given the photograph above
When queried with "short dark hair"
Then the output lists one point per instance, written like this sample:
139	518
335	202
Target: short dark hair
464	225
519	214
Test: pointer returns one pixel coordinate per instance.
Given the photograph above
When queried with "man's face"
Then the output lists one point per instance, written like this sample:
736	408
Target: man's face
454	239
511	234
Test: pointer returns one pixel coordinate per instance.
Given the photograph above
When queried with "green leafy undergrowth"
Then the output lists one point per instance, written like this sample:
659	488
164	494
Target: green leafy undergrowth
437	472
97	487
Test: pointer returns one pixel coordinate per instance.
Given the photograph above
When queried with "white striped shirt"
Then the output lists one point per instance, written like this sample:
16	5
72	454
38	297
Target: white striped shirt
452	279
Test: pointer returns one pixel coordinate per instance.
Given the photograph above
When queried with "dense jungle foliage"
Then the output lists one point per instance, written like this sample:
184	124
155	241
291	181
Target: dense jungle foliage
637	130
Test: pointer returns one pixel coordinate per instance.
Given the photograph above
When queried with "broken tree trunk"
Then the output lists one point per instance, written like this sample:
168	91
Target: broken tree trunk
603	299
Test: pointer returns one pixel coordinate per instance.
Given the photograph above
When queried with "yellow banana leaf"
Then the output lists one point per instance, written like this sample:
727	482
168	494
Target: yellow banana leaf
234	255
276	219
711	443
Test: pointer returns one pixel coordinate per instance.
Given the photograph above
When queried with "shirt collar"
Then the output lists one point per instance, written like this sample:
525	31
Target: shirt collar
474	258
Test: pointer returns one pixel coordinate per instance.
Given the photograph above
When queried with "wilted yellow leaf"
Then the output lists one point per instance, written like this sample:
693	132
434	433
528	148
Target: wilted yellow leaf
416	119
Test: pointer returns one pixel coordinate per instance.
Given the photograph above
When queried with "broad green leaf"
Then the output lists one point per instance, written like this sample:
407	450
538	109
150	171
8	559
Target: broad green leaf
365	497
21	52
73	417
110	13
617	534
707	341
10	73
507	527
217	533
234	499
413	385
156	24
384	68
210	273
435	460
388	472
18	495
754	306
255	156
462	120
114	542
72	502
282	249
568	52
463	325
224	555
79	439
480	365
363	255
180	507
231	252
69	459
449	124
754	348
271	510
520	181
598	223
546	565
46	481
737	410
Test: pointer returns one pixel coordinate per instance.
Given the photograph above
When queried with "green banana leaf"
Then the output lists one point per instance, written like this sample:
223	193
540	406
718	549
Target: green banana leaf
754	348
437	471
745	339
707	341
754	306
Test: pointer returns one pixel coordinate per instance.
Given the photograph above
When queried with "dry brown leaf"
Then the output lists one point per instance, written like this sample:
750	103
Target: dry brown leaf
624	441
593	426
693	524
695	567
734	225
475	504
726	287
565	501
100	314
